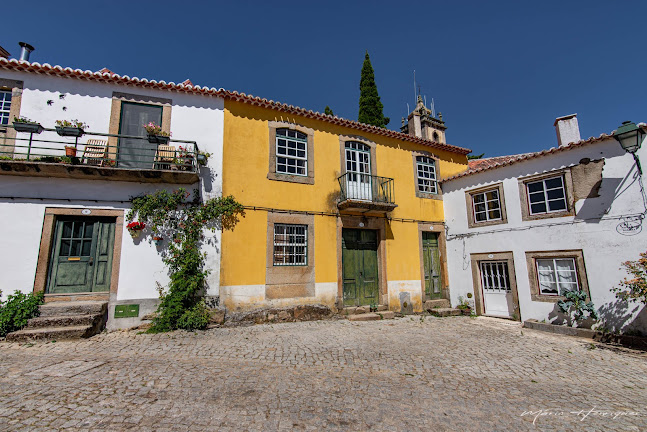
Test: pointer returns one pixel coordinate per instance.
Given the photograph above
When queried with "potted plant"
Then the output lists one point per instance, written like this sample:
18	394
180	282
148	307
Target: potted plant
203	157
70	151
156	135
135	228
185	158
71	128
157	239
23	124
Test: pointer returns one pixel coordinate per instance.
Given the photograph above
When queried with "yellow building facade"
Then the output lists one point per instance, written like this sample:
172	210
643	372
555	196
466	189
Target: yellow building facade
337	213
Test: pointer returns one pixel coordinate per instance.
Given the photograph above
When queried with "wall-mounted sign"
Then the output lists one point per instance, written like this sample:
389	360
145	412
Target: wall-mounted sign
127	311
86	211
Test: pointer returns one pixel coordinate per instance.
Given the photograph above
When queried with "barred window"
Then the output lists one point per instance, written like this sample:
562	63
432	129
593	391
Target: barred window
291	152
426	168
290	245
5	107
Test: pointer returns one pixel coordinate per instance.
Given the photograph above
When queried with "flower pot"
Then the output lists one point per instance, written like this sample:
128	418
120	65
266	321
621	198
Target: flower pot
135	233
158	240
69	131
158	139
27	127
202	159
70	151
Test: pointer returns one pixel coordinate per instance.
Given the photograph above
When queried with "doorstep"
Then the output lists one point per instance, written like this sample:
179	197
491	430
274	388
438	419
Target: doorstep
73	297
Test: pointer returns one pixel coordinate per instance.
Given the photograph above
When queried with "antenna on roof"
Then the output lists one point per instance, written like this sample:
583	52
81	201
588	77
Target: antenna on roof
414	85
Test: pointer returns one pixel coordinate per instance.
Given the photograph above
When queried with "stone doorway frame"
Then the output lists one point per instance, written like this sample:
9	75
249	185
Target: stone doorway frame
369	223
508	257
46	243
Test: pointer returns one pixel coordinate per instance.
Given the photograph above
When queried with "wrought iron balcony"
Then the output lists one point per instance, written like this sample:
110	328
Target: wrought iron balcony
79	154
366	193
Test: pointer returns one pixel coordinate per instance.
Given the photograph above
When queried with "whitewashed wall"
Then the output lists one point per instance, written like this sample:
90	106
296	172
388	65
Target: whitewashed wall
193	117
593	229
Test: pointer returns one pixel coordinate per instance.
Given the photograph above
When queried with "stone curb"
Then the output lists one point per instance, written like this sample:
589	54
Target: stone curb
636	342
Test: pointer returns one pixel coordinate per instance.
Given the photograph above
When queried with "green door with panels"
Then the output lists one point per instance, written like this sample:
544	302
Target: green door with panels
431	260
359	267
81	258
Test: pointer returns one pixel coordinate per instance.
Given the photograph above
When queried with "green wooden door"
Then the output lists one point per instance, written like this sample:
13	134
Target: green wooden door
431	260
81	255
359	267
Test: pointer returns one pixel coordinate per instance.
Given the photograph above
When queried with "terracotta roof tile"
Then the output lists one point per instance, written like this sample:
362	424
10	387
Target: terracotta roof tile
110	77
480	165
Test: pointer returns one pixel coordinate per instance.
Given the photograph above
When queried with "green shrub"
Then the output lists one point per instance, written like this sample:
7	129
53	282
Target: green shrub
195	318
17	310
576	306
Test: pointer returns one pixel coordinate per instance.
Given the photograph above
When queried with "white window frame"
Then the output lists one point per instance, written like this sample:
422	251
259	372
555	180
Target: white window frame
555	275
487	202
5	107
546	200
299	145
284	248
426	184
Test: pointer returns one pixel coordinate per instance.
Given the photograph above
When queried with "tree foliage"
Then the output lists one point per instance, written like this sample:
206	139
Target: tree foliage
184	223
328	111
634	289
371	110
473	156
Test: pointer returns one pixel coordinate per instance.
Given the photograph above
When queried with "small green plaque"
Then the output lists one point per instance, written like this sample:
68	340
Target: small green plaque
127	311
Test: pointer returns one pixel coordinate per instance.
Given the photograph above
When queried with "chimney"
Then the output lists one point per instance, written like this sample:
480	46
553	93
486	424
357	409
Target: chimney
568	131
25	51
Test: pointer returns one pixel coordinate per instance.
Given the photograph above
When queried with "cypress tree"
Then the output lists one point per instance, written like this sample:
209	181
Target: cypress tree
328	111
371	110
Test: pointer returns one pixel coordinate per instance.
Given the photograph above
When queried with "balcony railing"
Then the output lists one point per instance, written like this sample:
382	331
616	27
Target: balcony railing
367	191
101	150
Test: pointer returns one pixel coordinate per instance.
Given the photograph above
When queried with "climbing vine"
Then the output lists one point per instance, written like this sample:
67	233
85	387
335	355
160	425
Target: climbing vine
183	223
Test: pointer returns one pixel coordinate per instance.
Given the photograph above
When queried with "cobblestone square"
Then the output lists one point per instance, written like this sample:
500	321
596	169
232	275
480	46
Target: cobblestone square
412	373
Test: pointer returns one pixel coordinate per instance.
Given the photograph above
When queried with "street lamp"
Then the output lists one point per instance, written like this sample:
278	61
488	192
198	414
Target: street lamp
630	138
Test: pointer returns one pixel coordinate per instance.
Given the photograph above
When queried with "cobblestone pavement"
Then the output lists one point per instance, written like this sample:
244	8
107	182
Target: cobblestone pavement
457	374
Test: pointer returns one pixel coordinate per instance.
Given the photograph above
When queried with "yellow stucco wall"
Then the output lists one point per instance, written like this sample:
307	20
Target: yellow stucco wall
245	169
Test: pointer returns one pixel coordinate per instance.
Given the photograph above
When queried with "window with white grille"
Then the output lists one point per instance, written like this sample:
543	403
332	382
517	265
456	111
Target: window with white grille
547	195
290	245
486	206
5	107
426	173
291	152
495	276
556	275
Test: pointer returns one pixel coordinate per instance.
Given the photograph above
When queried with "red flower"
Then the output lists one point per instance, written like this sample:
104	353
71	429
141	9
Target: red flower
136	226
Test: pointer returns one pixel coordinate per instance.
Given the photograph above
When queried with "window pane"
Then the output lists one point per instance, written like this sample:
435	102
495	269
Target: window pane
535	187
86	248
67	229
555	182
493	195
77	231
555	194
557	205
75	247
537	197
494	214
89	228
480	217
538	208
479	198
479	207
65	248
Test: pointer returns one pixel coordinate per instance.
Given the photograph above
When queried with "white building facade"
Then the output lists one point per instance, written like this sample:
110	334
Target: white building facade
522	229
59	213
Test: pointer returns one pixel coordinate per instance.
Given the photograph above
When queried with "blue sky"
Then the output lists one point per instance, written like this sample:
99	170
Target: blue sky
500	72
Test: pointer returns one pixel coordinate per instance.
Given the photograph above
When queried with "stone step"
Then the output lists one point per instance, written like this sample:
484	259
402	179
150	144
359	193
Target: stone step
445	312
50	333
435	304
370	316
63	321
386	314
356	310
73	308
